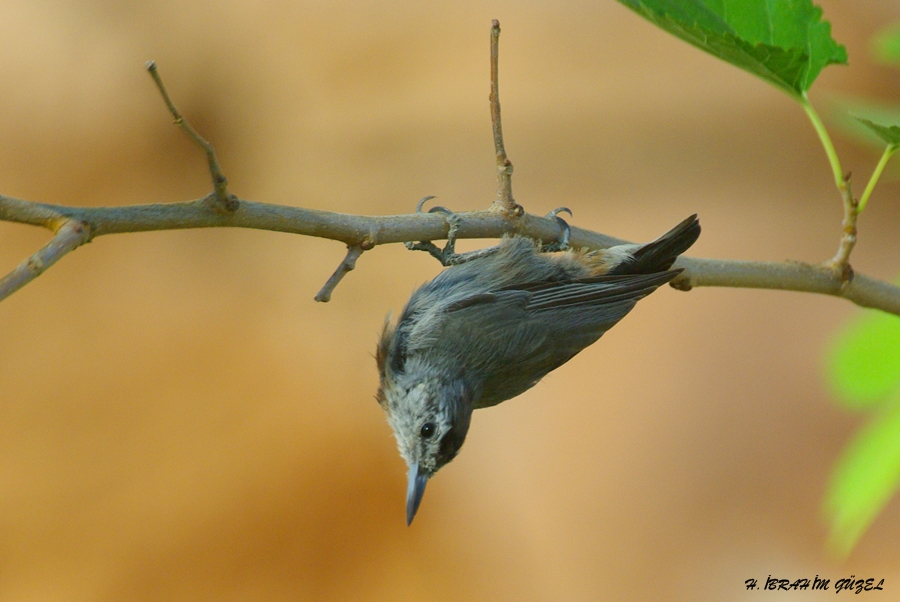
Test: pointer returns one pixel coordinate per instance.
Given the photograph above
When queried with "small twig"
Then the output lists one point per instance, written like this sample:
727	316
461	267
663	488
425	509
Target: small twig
226	201
71	235
876	175
505	202
840	263
348	265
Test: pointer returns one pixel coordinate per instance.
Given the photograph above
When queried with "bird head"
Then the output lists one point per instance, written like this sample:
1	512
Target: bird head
429	413
430	421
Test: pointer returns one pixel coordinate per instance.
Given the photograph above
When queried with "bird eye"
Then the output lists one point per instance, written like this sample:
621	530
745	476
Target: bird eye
427	430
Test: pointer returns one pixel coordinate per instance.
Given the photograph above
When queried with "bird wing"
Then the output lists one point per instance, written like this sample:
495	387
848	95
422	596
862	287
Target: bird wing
511	338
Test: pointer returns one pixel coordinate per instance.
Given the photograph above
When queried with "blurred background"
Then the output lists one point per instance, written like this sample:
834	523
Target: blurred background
180	421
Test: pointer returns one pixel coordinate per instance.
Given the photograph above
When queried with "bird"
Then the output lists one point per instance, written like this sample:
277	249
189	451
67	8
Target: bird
486	330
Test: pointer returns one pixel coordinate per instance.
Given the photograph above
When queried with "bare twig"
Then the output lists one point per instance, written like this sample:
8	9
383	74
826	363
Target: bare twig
505	202
840	263
227	202
70	235
348	265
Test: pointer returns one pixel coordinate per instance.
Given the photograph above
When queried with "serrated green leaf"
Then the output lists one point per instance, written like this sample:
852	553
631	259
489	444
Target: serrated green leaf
885	45
865	478
864	362
785	42
888	133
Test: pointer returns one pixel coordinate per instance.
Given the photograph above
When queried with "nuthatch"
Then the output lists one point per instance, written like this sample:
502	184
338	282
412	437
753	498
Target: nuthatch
486	330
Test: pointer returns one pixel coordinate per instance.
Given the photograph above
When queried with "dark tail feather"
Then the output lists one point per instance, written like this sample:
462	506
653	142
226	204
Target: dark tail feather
659	255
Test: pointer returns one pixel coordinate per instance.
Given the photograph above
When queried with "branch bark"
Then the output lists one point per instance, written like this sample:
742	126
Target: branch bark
348	265
70	235
369	231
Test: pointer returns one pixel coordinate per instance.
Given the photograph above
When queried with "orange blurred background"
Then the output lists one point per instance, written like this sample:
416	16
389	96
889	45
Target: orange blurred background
180	421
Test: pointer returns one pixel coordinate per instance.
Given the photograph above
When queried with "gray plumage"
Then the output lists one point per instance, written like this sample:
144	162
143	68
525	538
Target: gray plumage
487	330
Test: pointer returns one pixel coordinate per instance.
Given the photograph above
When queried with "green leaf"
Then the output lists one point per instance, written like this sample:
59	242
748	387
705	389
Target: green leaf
845	111
785	42
864	479
864	362
885	45
888	133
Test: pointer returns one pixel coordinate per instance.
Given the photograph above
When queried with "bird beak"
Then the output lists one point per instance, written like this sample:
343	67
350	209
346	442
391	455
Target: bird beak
417	482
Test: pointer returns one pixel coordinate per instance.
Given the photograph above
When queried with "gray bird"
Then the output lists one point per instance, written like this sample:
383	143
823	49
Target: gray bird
486	330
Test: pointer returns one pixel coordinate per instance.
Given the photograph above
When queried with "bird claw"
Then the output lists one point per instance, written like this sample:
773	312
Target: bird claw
448	255
424	200
562	243
435	209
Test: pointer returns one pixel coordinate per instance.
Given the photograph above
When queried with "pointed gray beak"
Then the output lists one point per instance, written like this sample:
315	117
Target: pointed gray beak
417	482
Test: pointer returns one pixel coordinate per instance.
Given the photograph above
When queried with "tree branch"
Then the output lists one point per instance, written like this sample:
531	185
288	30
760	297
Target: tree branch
788	276
70	235
370	231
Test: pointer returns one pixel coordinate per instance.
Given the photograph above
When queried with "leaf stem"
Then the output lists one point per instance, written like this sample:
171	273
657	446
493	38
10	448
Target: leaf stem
839	180
888	153
840	263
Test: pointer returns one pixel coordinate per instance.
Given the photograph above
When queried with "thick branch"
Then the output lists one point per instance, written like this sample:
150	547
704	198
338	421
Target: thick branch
366	231
349	229
789	276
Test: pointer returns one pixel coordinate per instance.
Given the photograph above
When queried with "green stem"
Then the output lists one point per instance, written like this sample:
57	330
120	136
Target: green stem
826	143
888	153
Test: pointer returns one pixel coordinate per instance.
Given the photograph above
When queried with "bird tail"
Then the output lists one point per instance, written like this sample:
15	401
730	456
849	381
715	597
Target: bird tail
659	255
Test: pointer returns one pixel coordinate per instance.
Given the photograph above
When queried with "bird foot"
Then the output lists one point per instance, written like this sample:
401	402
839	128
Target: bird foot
562	243
448	255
